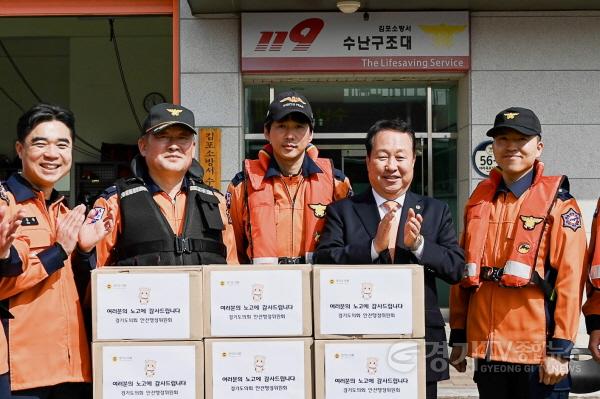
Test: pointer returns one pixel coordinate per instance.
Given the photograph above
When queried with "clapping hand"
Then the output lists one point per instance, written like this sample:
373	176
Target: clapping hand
8	229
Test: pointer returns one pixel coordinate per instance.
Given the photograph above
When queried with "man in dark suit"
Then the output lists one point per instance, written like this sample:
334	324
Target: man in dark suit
389	222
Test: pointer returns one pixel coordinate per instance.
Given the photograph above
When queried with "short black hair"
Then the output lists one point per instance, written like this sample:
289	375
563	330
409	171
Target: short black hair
294	116
397	125
44	113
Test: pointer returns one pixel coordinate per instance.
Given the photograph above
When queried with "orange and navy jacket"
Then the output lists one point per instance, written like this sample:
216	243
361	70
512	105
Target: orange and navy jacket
47	342
172	209
591	309
286	229
10	267
522	325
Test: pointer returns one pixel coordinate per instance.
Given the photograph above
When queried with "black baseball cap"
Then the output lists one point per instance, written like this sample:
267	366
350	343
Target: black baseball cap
164	115
289	102
522	120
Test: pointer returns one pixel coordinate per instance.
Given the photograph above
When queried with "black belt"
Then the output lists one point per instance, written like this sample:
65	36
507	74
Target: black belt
179	245
491	273
298	260
495	274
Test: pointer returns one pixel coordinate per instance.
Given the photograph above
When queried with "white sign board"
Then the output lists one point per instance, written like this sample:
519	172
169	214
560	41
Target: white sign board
149	371
383	42
258	369
143	306
256	302
371	370
366	301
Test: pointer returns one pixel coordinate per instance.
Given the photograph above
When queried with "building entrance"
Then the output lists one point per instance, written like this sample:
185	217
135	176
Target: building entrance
344	111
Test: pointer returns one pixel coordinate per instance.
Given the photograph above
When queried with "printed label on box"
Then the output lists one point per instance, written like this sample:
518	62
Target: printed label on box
258	370
149	371
143	306
260	302
366	301
371	370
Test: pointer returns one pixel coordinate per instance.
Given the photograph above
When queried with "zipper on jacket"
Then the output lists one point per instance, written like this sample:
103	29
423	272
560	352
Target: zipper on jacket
488	349
176	232
293	204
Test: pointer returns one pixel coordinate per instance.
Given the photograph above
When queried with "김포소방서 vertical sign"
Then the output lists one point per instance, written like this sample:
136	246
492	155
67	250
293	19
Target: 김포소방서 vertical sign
210	156
384	42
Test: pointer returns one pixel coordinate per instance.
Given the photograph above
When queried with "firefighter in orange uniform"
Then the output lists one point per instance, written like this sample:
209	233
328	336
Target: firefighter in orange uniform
517	306
48	349
591	309
165	214
277	203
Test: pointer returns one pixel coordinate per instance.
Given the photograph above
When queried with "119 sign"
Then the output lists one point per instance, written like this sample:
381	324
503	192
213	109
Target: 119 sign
303	34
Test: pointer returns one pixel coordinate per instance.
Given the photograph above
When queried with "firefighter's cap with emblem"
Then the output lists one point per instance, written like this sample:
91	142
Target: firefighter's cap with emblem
289	102
522	120
164	115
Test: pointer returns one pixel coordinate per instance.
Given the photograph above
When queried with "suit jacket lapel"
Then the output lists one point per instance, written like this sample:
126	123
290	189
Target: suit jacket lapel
366	209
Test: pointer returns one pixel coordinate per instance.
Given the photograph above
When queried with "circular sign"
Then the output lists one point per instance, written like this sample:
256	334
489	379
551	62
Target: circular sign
152	99
483	158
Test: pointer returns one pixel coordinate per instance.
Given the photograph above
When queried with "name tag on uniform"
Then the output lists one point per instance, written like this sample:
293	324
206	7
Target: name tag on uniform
29	221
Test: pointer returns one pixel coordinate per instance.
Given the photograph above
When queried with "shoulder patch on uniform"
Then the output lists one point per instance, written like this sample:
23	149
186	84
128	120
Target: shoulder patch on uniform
338	174
237	179
571	219
109	192
4	194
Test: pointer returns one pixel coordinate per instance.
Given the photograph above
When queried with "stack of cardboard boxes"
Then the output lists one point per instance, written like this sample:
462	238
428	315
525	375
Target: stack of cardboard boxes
369	332
147	332
258	325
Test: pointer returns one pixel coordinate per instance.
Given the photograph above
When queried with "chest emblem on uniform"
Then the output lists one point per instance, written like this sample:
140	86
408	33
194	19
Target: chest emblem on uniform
529	222
318	209
317	236
571	219
523	248
29	221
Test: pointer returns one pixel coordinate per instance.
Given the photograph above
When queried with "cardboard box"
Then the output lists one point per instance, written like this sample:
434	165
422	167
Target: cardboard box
147	303
266	368
148	370
257	301
370	301
374	368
